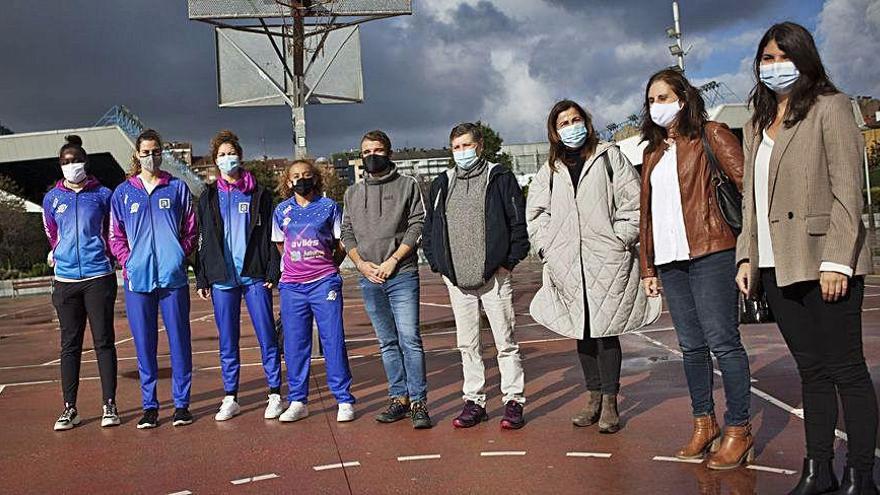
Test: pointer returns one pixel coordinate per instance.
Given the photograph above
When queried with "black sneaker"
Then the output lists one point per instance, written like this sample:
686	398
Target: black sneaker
471	415
398	408
150	419
68	419
182	417
419	413
110	416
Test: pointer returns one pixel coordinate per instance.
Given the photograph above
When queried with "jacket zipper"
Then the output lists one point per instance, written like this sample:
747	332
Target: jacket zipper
486	213
76	224
153	236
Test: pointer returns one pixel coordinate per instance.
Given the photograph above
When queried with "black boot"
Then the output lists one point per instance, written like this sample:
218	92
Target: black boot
816	477
857	483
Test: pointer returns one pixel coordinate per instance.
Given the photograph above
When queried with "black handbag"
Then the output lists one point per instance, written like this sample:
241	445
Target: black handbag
728	196
754	309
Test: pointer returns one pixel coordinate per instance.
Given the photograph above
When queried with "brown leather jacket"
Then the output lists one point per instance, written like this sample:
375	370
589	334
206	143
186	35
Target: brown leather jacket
707	232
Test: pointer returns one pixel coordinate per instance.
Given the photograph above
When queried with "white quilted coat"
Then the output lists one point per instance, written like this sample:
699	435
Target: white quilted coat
589	237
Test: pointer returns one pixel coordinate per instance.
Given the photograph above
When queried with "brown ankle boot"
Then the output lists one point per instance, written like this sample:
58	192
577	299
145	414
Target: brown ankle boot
737	446
590	413
706	438
609	419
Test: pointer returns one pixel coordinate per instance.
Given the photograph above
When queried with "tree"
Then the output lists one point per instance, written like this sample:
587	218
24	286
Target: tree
267	172
334	187
492	142
23	244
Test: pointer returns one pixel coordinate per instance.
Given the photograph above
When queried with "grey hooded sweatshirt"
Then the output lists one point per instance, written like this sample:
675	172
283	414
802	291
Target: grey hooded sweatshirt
380	214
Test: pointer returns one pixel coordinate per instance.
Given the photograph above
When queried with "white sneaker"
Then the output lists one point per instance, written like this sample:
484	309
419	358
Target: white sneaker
295	412
110	415
275	407
345	413
228	409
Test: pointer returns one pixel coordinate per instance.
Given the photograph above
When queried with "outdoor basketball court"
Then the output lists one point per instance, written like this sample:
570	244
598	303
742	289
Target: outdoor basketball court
317	455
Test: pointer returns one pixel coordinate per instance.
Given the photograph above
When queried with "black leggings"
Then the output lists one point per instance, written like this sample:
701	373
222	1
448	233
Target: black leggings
600	360
825	340
75	302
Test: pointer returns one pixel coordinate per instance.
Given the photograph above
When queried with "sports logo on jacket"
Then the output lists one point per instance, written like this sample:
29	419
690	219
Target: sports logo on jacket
331	296
61	208
244	207
164	203
134	208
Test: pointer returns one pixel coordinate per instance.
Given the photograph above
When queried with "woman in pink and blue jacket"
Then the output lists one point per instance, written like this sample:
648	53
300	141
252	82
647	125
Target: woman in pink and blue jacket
152	232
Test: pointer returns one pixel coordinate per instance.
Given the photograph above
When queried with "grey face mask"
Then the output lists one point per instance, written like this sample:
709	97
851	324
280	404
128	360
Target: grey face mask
150	163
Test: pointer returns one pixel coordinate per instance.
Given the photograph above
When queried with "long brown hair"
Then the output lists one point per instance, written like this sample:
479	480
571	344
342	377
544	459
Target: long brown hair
147	135
813	81
691	118
557	147
286	191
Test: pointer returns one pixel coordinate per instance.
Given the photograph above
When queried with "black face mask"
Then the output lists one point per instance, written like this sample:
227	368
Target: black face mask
375	164
304	186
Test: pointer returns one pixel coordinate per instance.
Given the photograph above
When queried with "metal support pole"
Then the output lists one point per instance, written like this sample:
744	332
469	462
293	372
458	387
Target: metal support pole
676	19
298	113
872	224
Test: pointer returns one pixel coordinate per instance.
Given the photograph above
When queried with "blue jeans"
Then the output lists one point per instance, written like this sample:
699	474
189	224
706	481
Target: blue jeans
393	308
702	299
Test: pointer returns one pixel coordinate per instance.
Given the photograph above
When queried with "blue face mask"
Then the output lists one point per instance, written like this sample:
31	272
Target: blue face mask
466	159
779	77
573	136
227	164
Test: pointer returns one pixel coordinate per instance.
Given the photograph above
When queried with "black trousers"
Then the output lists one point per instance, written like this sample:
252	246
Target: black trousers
600	360
75	302
826	342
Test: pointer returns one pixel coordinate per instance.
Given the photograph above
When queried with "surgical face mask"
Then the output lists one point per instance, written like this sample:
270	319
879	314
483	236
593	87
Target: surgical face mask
376	164
304	186
663	114
227	164
779	77
74	172
573	136
466	159
150	163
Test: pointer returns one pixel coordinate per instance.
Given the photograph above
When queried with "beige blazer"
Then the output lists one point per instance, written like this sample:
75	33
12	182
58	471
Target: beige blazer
815	195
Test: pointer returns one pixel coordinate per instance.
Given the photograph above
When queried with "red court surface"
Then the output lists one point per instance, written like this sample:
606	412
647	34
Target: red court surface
317	455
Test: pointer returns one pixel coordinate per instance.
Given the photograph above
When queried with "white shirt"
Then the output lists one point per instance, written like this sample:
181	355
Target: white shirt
766	258
762	207
670	237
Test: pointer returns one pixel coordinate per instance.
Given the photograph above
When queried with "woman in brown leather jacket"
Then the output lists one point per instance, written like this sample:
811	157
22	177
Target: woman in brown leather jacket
686	242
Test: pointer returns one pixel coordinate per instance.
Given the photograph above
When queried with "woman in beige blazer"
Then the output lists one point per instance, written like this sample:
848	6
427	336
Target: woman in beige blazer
803	241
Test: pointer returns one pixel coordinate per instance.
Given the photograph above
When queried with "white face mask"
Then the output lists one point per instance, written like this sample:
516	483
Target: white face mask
663	114
779	77
74	172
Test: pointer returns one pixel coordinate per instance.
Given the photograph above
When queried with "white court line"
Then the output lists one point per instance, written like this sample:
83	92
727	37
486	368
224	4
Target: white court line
600	455
127	358
424	457
184	492
259	477
663	458
438	305
338	465
767	469
2	388
760	393
503	453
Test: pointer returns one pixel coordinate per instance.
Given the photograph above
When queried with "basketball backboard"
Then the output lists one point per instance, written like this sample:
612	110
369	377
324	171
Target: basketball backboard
251	9
250	74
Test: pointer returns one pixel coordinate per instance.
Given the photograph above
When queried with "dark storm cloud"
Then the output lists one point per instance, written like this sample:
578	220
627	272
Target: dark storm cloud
65	63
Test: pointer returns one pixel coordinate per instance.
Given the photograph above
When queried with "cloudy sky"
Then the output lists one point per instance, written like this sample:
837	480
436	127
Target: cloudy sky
504	61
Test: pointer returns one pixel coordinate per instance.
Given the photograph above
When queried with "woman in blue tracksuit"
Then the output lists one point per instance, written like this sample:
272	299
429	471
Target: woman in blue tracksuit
76	216
152	232
237	259
307	227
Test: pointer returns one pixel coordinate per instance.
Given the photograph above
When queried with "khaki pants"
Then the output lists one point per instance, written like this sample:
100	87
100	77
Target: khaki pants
497	299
